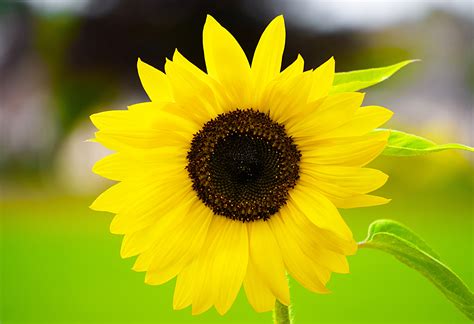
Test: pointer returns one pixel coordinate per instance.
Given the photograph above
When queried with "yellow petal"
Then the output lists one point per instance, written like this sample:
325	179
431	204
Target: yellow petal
221	266
139	164
139	241
266	63
113	119
293	69
323	78
328	114
284	98
360	201
167	107
298	264
112	200
179	59
342	196
183	291
350	151
330	191
184	237
226	62
345	187
179	244
142	118
144	107
140	128
267	260
356	180
325	238
152	201
154	82
324	257
258	294
192	92
203	288
148	139
219	91
319	210
161	227
365	120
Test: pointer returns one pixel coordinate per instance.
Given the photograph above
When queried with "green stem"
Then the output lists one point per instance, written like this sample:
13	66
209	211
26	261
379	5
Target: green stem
281	313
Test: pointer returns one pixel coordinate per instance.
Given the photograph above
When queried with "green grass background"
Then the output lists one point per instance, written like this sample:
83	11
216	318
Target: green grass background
59	262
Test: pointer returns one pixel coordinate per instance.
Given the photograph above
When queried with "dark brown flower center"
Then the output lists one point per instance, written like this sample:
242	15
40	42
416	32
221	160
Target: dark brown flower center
242	165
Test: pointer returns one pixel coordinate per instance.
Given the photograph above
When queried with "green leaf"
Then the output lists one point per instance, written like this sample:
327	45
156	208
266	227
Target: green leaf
361	79
401	242
404	144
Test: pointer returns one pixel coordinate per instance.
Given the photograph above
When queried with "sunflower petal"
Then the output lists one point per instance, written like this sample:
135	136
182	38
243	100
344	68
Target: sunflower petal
320	211
162	228
325	238
323	78
183	291
180	244
139	241
112	200
192	92
301	228
221	266
360	201
154	82
140	164
341	196
266	63
267	261
355	180
293	69
151	128
219	91
226	62
298	264
179	59
350	151
258	294
365	120
152	201
284	98
327	114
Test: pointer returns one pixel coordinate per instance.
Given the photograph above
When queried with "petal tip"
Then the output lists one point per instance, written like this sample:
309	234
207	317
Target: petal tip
94	118
114	228
176	54
222	310
141	65
210	20
279	19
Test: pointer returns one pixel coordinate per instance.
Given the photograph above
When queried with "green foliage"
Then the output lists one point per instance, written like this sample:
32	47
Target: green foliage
404	144
401	242
361	79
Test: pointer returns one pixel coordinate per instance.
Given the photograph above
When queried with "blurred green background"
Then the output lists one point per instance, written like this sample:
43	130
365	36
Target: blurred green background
62	60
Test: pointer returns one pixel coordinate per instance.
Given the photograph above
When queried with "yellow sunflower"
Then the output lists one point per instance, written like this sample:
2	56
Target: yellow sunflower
234	176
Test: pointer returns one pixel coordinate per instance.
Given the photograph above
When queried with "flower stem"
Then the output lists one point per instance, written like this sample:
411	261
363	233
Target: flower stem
281	313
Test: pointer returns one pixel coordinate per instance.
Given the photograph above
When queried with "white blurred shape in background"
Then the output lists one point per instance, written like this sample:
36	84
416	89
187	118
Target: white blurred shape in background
366	14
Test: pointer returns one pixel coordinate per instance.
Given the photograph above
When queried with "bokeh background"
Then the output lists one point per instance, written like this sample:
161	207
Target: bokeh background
62	60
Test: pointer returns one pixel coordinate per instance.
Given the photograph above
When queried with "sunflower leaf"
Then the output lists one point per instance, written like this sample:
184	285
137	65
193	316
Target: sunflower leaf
396	239
404	144
361	79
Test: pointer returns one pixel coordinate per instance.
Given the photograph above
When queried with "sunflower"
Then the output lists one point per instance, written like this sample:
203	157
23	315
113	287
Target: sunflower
234	177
